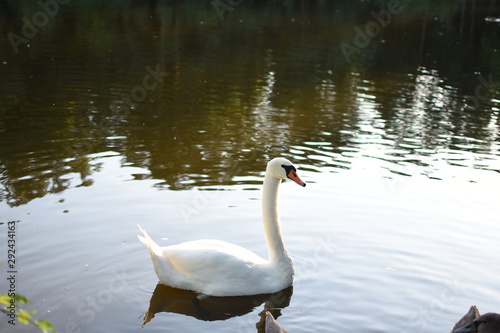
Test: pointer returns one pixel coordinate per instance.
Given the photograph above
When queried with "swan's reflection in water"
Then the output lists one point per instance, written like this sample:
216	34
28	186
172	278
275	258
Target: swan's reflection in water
168	299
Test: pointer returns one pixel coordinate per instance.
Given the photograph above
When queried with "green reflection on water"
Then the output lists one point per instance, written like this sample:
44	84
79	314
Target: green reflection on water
199	98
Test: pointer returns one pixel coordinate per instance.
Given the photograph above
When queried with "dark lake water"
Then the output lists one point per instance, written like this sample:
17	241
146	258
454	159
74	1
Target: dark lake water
164	114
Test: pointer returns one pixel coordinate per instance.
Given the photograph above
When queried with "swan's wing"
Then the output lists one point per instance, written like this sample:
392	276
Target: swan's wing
213	260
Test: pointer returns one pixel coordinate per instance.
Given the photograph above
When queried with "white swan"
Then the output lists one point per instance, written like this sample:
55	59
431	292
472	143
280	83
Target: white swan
217	268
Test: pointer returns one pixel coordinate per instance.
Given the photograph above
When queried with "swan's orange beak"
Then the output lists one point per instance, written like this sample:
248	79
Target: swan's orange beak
293	176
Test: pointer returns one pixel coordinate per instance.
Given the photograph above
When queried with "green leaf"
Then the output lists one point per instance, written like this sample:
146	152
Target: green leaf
24	316
20	299
4	299
45	326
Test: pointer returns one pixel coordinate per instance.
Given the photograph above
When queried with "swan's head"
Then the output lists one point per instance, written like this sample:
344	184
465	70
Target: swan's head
282	168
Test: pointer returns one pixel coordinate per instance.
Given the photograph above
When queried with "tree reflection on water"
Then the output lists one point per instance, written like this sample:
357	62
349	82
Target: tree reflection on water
229	94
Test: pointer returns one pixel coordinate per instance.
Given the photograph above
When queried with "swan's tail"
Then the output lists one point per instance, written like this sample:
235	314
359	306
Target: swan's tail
161	263
151	244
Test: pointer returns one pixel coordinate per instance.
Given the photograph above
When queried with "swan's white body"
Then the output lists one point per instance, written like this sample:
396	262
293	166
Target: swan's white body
218	268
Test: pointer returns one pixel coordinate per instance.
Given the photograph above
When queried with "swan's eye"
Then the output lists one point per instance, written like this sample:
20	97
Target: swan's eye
288	169
476	323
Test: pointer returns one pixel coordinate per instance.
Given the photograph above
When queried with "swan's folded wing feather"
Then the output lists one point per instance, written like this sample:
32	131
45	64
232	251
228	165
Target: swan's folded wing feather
211	259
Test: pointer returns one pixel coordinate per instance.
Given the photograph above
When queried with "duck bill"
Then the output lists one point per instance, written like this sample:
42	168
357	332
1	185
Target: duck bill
293	176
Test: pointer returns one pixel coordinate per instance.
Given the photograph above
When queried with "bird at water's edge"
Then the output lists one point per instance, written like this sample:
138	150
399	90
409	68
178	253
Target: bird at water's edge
486	323
218	268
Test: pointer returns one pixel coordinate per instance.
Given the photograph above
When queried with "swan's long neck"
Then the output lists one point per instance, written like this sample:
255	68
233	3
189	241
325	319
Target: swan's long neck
277	250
